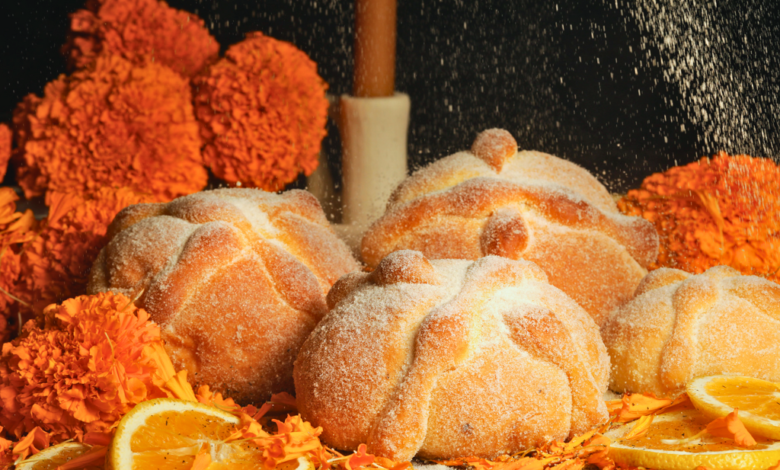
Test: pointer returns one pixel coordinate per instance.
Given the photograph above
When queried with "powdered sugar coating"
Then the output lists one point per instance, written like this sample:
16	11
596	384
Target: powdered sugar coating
529	205
680	326
448	358
236	278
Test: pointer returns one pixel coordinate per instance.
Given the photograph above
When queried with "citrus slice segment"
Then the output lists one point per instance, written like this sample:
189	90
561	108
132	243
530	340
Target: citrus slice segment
667	445
758	401
169	434
54	456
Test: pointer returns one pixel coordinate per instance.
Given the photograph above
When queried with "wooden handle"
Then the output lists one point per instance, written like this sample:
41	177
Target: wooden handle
375	37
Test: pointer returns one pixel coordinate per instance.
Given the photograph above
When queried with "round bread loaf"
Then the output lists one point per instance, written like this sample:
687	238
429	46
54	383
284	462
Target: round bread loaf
450	358
680	326
236	279
529	205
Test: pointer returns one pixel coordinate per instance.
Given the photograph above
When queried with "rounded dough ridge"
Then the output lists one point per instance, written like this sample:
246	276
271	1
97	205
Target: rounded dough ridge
680	326
530	205
448	358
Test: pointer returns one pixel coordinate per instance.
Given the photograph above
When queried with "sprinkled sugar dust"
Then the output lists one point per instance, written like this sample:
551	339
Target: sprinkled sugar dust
623	88
722	55
560	76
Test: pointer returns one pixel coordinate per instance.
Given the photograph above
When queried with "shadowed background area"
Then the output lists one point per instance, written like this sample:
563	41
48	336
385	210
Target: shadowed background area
599	83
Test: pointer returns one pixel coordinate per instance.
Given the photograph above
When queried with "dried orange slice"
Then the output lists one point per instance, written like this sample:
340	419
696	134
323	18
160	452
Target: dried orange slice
54	456
667	445
758	401
170	434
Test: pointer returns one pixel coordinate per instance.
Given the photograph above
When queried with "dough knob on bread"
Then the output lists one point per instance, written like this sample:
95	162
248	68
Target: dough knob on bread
236	279
447	358
680	326
494	200
494	147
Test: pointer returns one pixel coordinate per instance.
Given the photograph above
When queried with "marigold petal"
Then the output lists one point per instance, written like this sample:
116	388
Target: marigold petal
731	427
361	458
640	427
528	463
35	441
682	402
568	465
180	388
202	458
636	405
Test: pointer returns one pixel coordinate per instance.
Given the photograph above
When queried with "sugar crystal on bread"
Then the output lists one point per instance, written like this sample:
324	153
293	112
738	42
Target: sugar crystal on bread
236	279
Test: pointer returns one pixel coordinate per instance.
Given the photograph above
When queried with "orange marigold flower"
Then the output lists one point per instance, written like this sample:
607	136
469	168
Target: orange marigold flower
112	124
262	113
140	31
719	211
55	265
79	367
15	229
5	149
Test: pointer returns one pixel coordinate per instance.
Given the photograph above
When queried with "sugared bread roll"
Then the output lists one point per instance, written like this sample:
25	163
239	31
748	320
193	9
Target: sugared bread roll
496	200
449	358
236	279
680	326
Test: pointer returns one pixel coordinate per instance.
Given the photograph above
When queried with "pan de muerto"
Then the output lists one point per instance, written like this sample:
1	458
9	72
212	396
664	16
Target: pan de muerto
496	200
449	358
680	326
236	279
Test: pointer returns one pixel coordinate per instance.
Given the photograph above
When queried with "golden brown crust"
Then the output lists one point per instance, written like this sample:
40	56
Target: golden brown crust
409	267
494	147
544	336
680	326
132	214
660	278
475	204
505	234
425	357
235	278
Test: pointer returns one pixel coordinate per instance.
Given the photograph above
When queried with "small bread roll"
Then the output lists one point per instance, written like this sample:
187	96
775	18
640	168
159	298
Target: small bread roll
236	279
449	358
680	326
530	205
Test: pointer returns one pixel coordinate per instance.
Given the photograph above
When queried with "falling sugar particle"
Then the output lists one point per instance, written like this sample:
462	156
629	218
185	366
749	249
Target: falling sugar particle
707	56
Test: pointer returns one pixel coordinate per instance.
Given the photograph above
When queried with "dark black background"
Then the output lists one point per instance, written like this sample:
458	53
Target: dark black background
566	77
